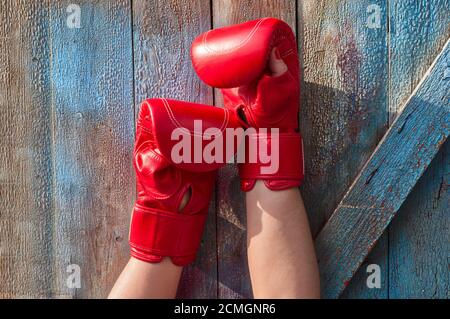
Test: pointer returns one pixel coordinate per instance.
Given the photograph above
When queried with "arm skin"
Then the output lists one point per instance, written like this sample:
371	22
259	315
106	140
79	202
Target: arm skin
140	279
281	254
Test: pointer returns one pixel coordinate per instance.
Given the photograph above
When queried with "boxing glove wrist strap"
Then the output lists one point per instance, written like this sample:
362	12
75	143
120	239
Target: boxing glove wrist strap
283	170
178	234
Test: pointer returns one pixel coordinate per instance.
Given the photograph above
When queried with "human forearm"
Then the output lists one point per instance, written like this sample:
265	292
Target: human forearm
147	280
281	253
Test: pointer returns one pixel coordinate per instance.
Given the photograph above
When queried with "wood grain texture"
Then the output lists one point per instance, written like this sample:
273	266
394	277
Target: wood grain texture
93	180
419	242
357	287
68	124
344	109
419	237
418	31
385	181
233	275
163	32
25	152
69	98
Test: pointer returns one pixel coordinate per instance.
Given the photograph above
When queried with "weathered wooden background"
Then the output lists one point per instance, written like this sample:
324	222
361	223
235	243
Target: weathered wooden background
69	97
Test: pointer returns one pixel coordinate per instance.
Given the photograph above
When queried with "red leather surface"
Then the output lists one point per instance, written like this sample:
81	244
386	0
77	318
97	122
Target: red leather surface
181	115
289	172
158	228
236	59
243	48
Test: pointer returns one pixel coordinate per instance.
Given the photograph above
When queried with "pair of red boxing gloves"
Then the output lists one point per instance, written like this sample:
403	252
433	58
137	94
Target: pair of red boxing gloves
175	183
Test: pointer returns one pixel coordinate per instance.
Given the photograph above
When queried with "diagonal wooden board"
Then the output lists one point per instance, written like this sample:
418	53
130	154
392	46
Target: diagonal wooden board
387	178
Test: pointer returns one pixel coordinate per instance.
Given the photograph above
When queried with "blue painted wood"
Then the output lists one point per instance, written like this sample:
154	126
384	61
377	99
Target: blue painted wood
424	26
344	112
26	264
418	31
66	181
92	135
386	180
357	288
344	99
163	33
419	237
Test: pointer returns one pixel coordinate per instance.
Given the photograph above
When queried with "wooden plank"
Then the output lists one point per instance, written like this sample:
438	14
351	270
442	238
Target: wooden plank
163	33
385	181
233	275
25	151
419	24
344	110
344	107
419	235
74	122
93	134
357	287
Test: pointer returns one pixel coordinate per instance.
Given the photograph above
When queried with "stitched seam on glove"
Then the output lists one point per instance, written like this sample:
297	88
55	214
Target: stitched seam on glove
241	44
161	252
155	194
165	213
178	125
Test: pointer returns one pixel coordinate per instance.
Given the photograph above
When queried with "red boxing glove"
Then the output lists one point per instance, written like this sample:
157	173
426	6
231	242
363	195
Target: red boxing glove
165	172
238	60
